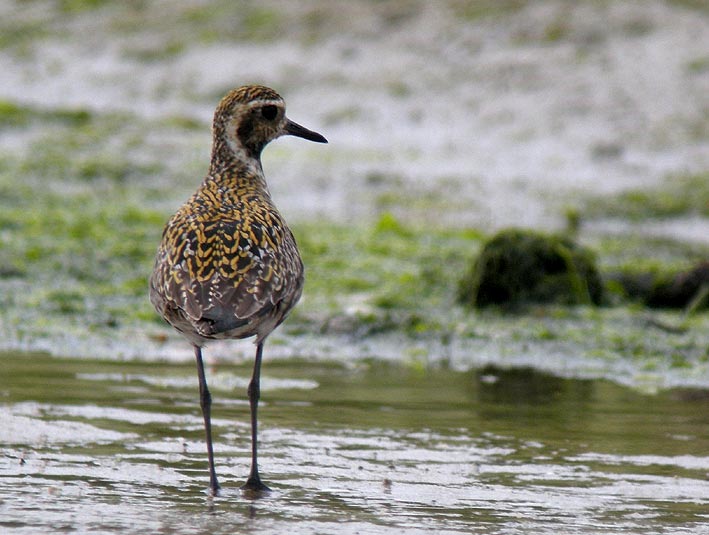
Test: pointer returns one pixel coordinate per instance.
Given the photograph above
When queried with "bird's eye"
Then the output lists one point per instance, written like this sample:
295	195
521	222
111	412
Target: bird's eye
269	112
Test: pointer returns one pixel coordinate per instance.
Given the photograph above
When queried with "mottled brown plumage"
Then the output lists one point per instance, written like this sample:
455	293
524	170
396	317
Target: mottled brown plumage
228	265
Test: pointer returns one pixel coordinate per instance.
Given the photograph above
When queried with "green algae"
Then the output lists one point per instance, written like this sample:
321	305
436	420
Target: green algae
678	195
394	267
77	6
486	8
13	114
699	5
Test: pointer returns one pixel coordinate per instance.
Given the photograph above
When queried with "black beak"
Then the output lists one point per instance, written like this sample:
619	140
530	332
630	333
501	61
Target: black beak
294	129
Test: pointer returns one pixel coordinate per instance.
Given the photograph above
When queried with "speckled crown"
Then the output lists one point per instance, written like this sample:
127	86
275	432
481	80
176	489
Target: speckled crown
246	94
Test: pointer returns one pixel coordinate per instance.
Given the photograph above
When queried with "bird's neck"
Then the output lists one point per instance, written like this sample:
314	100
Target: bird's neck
235	174
227	154
236	181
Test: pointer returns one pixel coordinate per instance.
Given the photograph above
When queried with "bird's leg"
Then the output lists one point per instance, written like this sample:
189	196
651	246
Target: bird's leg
254	484
205	401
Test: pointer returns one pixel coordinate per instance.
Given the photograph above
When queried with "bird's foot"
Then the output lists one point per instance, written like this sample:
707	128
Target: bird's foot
213	490
254	487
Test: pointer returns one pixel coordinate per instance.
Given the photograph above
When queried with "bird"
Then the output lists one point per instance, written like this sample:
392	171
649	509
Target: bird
228	266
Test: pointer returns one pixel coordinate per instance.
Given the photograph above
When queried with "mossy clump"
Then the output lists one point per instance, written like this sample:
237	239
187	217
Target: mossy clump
518	266
684	290
687	289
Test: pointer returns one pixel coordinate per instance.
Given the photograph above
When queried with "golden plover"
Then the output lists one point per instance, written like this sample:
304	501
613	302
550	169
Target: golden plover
228	266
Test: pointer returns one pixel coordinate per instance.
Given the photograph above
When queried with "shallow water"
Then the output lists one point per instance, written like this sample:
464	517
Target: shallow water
108	447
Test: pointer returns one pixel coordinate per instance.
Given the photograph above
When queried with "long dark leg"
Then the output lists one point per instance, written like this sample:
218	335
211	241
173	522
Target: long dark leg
254	483
205	401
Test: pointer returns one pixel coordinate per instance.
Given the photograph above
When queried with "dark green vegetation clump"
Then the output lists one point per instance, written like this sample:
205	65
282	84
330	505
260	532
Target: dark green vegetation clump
686	289
521	266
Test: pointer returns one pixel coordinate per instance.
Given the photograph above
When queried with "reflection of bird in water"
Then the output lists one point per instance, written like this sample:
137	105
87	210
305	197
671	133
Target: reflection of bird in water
228	265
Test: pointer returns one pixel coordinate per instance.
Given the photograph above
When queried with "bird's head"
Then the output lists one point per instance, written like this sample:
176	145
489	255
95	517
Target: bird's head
251	116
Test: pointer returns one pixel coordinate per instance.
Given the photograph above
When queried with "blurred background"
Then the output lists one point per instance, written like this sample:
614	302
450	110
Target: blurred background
447	121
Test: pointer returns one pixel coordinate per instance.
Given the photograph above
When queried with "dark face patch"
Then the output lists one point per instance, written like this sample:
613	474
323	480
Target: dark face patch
254	144
256	126
246	128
